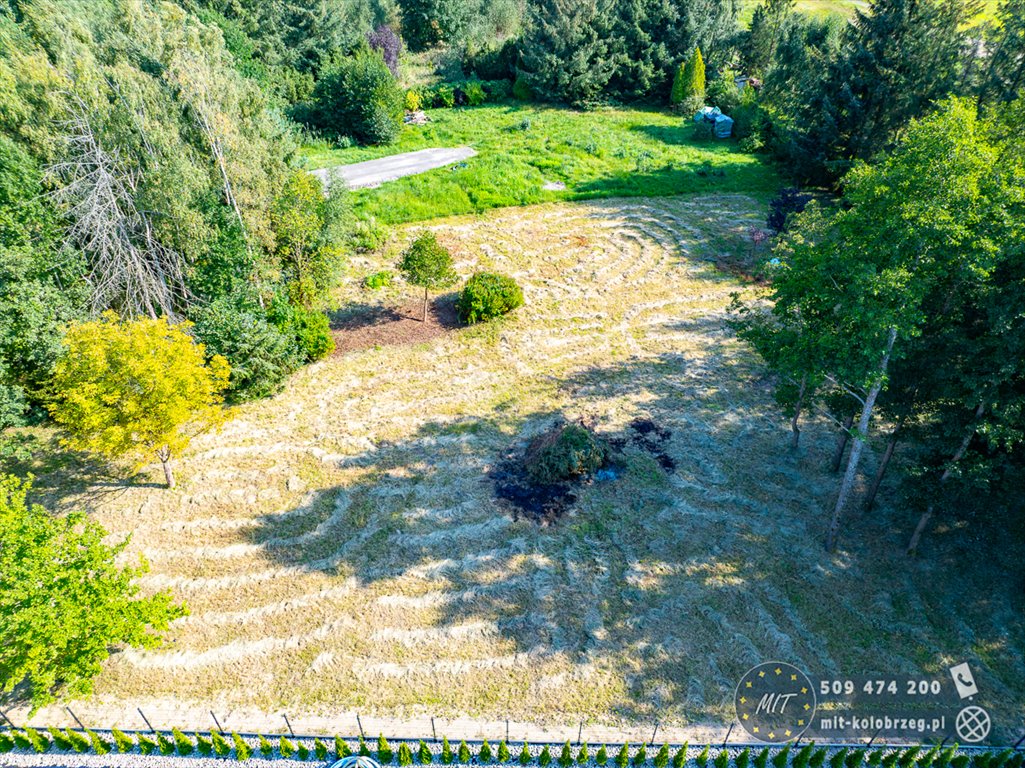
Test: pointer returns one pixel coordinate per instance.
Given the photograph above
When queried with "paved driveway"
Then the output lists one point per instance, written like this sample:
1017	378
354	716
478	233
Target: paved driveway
373	173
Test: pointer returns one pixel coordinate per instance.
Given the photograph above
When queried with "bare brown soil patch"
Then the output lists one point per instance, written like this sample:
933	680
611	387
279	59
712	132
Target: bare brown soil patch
366	327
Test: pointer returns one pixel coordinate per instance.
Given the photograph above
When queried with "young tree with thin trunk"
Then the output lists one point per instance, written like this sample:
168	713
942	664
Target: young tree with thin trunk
136	388
427	264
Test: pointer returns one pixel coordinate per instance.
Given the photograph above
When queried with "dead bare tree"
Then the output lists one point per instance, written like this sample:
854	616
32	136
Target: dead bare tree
129	269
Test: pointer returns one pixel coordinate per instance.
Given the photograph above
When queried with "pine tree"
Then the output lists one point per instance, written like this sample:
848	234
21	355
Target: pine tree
689	86
564	54
423	753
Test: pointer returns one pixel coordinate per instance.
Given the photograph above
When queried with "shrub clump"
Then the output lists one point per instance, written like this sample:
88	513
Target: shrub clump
565	452
359	96
486	296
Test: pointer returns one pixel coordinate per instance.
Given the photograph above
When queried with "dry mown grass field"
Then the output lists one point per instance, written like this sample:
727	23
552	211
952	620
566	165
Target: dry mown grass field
339	545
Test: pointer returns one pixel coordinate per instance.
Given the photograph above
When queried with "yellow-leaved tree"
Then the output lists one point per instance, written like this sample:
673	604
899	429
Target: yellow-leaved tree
132	388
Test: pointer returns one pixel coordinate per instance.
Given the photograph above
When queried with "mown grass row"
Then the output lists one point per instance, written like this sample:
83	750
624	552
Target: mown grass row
217	744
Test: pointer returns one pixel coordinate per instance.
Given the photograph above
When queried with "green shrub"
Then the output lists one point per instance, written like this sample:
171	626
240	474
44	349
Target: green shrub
203	745
762	758
602	757
818	758
623	756
743	758
446	751
803	756
702	759
378	279
59	738
722	92
361	747
582	756
265	747
39	742
310	329
302	751
359	97
412	101
21	740
484	756
183	744
640	757
960	761
545	758
320	749
242	750
147	746
907	757
164	744
405	754
99	745
475	95
443	96
781	758
926	760
722	760
836	760
486	296
285	747
122	741
6	743
384	751
680	758
221	747
890	759
497	90
525	756
943	758
367	235
855	758
261	355
566	756
564	452
464	752
424	753
521	90
503	752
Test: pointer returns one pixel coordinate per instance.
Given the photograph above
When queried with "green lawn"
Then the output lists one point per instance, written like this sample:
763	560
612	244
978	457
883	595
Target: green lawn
604	153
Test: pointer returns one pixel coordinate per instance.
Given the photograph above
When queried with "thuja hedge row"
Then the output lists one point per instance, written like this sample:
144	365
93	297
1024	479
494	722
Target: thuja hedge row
217	744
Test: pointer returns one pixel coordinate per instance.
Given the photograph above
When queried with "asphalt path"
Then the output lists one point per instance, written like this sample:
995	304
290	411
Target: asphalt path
373	173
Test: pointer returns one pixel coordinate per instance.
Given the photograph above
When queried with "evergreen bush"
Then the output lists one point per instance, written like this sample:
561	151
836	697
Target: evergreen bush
265	747
21	740
680	758
424	753
182	744
525	756
59	739
855	758
242	750
122	741
762	758
960	761
446	751
503	752
361	748
623	756
99	745
302	751
688	93
6	743
221	746
890	759
40	743
384	751
486	296
818	758
702	759
204	746
566	756
464	752
582	756
484	756
164	744
146	745
405	754
836	760
602	757
908	757
320	749
943	759
803	756
285	747
722	760
640	757
545	758
743	758
781	758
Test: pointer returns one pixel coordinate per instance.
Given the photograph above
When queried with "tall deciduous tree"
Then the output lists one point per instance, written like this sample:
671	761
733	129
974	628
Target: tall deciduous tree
136	388
64	602
918	230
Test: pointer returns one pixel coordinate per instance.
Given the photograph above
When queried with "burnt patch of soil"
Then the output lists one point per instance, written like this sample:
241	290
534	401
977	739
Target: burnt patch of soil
543	504
648	436
368	326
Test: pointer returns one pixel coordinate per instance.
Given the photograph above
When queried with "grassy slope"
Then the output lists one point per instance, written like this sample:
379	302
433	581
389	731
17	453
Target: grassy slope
606	153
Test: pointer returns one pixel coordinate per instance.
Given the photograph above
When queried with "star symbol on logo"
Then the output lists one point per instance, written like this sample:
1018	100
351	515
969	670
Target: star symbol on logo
779	671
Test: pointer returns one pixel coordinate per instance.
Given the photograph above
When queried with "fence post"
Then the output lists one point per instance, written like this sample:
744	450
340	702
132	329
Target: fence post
360	724
9	721
216	721
1017	744
728	735
137	709
507	731
654	733
580	731
76	719
291	732
434	731
874	736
